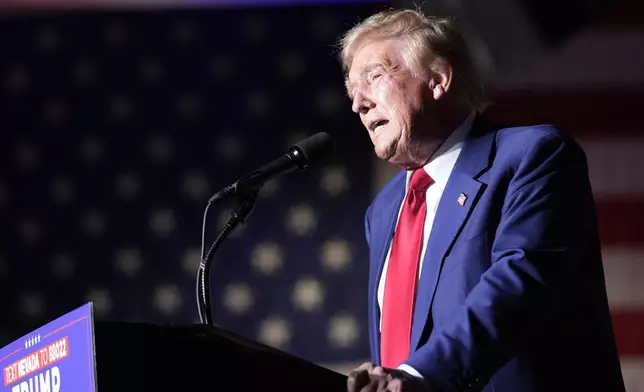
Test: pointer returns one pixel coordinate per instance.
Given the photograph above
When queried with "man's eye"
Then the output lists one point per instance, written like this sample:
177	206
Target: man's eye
376	76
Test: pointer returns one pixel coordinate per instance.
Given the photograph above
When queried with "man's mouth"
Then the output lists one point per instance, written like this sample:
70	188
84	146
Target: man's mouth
378	125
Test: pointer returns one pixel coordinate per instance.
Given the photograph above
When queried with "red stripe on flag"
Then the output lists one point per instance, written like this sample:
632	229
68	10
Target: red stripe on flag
620	221
629	332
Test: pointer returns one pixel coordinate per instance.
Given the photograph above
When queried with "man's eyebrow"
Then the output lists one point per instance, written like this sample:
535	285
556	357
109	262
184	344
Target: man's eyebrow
371	67
348	84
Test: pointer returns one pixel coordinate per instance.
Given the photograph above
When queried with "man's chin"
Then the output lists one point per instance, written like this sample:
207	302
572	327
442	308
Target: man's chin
385	152
384	155
401	161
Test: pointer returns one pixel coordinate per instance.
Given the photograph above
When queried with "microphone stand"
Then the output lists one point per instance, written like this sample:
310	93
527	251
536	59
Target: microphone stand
246	197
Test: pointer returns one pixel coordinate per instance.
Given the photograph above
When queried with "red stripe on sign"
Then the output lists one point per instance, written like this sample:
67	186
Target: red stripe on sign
629	332
576	111
620	221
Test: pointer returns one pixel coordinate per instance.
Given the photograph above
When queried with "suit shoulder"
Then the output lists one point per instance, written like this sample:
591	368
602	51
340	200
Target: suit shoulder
521	142
530	134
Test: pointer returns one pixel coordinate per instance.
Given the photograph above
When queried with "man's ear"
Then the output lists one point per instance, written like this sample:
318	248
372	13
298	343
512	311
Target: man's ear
440	78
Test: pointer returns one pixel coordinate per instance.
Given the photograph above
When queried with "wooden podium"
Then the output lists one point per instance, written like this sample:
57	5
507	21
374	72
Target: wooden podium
148	357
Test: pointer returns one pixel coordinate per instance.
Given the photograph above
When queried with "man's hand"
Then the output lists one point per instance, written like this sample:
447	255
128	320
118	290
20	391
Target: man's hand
371	378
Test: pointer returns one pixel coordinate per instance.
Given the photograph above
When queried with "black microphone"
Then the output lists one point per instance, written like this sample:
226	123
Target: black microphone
298	157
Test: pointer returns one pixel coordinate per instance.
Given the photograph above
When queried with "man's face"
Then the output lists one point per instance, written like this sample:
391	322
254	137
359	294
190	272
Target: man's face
392	103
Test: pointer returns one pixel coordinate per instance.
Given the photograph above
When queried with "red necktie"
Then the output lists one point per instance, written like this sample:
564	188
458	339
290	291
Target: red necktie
402	273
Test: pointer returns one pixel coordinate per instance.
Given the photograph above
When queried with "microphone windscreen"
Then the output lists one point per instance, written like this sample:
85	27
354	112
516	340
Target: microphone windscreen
316	146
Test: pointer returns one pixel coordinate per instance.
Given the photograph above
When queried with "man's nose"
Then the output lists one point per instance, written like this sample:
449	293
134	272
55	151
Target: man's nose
362	104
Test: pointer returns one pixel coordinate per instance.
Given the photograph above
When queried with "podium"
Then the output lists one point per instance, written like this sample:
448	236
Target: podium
74	353
199	358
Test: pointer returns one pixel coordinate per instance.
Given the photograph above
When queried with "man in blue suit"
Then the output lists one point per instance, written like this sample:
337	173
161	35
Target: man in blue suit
486	270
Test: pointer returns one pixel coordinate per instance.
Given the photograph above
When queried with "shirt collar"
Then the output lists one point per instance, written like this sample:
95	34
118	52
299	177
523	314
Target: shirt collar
443	160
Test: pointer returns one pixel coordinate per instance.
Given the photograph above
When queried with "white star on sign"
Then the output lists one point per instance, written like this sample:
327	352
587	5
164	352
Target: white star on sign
308	294
336	255
275	332
267	258
301	220
102	301
167	299
343	331
334	180
238	298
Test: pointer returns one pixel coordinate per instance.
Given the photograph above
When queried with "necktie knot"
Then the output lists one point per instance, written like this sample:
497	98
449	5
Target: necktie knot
420	180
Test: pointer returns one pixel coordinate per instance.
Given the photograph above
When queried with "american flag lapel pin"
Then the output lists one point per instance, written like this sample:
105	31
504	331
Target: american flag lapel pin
461	199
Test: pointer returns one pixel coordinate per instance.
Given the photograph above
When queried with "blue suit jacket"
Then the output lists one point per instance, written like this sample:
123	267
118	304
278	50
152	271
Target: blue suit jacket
512	296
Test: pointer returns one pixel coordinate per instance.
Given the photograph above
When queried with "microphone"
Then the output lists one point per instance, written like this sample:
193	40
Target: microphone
298	157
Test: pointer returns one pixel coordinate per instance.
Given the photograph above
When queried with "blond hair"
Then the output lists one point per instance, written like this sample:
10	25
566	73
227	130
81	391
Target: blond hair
427	39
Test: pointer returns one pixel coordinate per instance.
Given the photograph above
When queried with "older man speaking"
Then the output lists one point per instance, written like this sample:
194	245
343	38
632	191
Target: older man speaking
486	271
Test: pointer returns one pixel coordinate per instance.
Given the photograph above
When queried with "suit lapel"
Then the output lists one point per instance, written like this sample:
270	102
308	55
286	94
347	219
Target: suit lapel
384	218
450	218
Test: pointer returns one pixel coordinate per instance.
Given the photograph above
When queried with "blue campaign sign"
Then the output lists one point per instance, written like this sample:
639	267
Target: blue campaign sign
58	356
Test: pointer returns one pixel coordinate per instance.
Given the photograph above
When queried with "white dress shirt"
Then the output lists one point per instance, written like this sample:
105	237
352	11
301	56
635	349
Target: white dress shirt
439	169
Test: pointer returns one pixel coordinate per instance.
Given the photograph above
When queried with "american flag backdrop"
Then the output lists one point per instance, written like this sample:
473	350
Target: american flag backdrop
116	129
117	126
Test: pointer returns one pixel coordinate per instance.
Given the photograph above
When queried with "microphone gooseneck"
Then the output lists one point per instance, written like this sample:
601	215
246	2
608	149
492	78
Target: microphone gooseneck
299	157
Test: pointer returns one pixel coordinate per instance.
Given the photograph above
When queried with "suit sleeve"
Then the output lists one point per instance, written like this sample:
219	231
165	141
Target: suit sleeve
547	217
